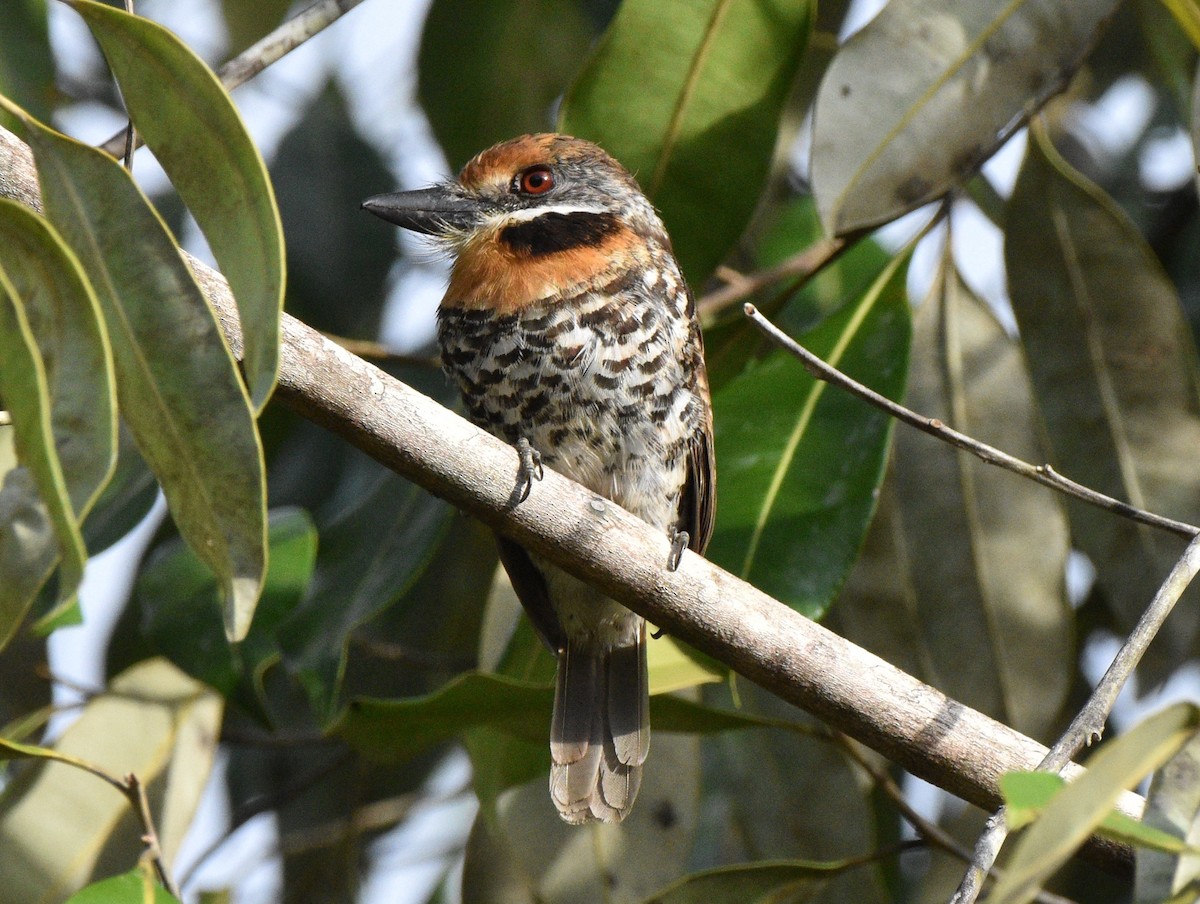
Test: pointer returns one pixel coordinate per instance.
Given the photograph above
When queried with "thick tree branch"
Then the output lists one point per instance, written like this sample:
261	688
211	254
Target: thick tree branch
856	692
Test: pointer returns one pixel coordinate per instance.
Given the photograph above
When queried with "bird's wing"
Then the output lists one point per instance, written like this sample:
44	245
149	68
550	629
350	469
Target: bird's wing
698	501
530	587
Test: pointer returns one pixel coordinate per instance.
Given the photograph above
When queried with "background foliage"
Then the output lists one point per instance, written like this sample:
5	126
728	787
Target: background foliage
383	642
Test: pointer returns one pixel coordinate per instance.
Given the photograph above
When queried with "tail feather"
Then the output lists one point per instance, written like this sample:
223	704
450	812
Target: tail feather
600	733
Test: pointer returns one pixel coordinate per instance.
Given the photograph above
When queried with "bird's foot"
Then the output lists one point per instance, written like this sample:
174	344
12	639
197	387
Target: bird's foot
529	470
679	542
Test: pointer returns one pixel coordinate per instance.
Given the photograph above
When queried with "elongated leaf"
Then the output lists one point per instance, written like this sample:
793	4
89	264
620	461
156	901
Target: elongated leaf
1187	14
37	522
1116	375
26	61
55	820
1075	812
1027	794
188	119
64	317
484	77
696	119
1172	807
800	461
925	93
176	379
961	580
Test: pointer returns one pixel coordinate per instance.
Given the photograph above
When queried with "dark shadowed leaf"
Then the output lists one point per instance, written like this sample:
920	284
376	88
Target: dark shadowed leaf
368	559
196	133
491	71
1116	376
177	597
694	112
914	102
801	461
26	63
962	580
126	499
249	20
177	381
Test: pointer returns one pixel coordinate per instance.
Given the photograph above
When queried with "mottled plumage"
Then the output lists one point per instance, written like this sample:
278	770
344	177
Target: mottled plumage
567	325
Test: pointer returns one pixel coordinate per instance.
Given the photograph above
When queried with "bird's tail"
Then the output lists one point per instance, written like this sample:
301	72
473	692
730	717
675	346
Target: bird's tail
600	733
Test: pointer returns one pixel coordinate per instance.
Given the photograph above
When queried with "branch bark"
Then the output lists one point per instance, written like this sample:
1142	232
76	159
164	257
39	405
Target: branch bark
854	691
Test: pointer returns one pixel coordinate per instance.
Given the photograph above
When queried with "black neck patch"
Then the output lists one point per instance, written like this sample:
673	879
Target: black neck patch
552	232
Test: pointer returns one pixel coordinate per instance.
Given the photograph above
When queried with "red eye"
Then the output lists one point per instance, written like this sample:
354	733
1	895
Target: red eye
537	180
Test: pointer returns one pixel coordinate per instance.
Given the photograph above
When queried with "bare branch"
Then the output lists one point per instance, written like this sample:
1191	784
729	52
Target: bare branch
1043	474
911	723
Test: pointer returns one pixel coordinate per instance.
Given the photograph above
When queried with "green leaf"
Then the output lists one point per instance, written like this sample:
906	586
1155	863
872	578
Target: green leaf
133	887
38	525
249	20
696	118
957	542
127	497
801	461
67	325
176	378
1027	794
188	119
26	61
57	819
482	76
927	91
1078	809
1116	376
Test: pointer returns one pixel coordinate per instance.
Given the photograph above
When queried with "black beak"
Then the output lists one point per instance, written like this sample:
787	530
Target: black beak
432	211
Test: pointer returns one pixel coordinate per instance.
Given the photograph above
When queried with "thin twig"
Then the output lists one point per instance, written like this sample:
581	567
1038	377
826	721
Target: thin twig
1088	725
282	41
803	265
1043	474
135	791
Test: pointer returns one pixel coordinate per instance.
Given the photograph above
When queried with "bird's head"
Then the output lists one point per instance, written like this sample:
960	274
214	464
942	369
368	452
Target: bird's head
529	219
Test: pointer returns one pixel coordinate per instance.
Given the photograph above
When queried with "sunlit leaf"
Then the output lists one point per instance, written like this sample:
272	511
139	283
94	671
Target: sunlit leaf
1074	813
193	127
801	461
176	378
927	91
696	119
37	522
1116	376
1187	14
55	820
